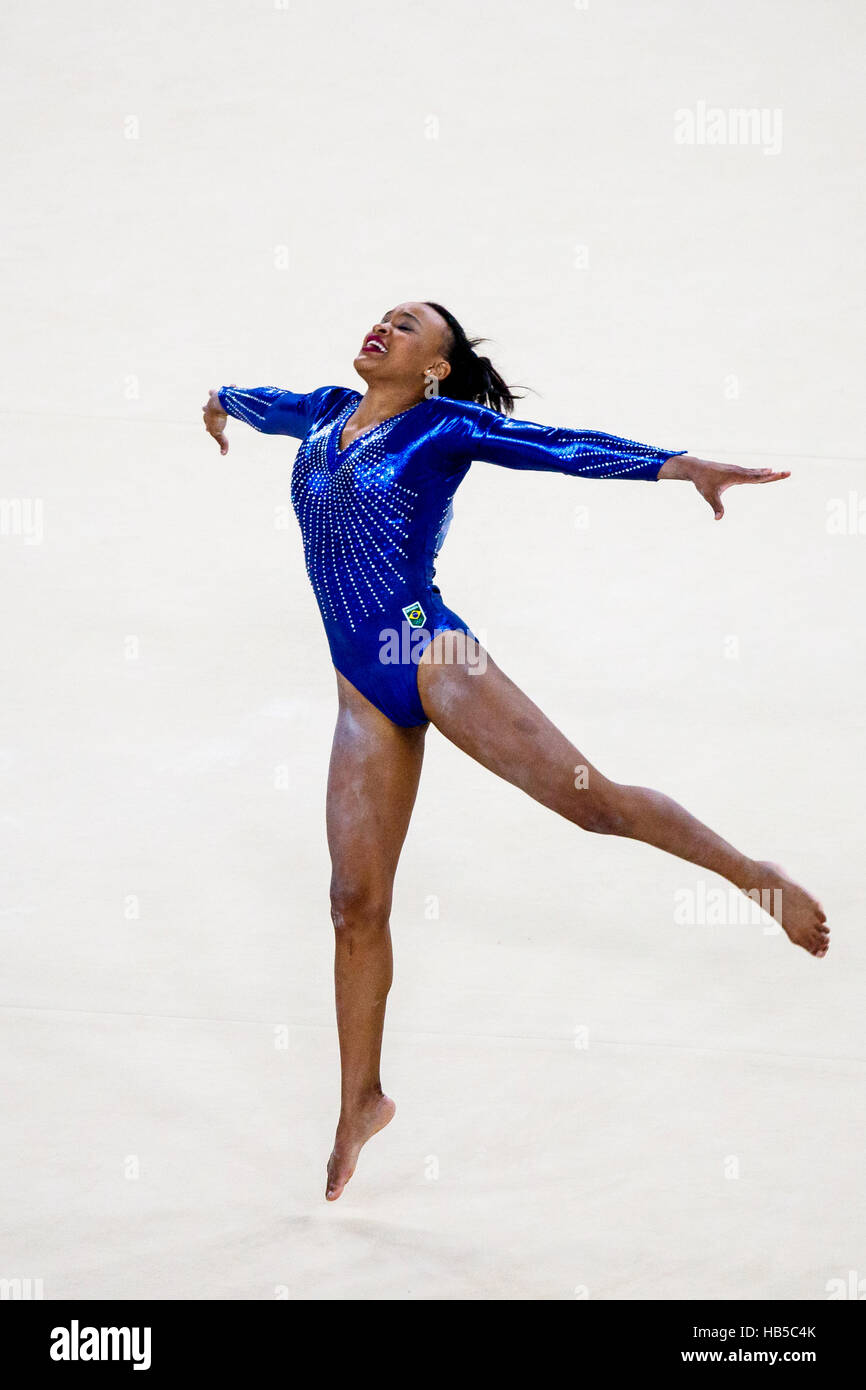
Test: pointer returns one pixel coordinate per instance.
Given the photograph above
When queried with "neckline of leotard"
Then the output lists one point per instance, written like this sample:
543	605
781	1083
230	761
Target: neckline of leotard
342	418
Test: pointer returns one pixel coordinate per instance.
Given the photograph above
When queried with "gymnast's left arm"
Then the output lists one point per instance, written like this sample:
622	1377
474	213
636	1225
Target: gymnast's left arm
494	438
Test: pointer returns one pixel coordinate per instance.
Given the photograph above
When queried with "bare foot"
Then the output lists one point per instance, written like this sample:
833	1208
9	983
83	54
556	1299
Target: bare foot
353	1131
800	915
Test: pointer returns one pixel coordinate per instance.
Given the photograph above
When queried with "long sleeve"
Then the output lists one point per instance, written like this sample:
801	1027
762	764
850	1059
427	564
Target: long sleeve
485	435
272	410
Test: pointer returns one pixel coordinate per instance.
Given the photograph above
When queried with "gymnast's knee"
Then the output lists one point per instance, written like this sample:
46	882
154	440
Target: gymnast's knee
359	907
602	812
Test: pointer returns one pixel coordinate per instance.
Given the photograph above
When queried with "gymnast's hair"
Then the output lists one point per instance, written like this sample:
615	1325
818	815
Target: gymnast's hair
472	378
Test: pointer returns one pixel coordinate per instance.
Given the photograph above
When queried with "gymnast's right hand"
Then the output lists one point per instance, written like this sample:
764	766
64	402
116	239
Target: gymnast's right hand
215	420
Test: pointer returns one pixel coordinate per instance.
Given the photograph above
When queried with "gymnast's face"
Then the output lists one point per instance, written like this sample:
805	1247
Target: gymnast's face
404	347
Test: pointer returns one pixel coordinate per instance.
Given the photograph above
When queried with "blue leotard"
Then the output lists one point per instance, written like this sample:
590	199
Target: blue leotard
373	516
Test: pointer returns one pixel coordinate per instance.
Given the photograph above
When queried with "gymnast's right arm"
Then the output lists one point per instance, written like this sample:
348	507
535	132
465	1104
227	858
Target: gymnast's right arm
267	408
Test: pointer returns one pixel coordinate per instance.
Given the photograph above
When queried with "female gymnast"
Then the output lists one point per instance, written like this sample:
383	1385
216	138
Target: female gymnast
372	487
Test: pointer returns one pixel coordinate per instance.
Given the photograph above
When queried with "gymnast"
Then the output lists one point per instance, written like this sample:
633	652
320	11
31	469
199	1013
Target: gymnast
372	487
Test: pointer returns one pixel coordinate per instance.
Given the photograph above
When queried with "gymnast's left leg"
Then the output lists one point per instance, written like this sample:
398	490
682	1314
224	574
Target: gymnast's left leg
475	705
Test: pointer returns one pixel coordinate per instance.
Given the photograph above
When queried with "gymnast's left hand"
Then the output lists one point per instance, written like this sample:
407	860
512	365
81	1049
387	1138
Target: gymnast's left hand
712	479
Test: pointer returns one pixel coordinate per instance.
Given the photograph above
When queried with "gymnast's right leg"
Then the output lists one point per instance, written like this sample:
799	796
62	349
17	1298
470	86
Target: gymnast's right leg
372	783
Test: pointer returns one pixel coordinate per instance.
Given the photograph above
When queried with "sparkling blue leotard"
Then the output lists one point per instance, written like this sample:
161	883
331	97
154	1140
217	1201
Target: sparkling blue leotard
373	516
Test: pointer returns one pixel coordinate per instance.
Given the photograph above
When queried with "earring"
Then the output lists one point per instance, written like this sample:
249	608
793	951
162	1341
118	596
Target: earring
431	385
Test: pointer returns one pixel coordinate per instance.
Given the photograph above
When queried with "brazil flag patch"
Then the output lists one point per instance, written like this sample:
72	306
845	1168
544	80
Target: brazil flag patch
415	615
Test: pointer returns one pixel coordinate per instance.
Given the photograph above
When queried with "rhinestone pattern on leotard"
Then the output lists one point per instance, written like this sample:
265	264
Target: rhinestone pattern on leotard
355	520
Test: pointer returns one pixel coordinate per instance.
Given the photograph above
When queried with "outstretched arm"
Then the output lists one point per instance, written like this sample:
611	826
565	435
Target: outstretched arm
269	409
493	438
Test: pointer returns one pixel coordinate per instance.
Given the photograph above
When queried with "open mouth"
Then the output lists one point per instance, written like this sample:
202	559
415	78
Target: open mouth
373	344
